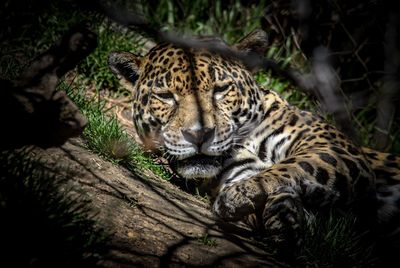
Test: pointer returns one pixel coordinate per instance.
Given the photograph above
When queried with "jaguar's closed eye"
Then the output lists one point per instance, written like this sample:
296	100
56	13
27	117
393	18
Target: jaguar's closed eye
165	95
220	89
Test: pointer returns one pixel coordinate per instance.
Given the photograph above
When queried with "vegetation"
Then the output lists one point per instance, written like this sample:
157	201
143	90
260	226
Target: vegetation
229	19
331	242
105	135
206	240
111	37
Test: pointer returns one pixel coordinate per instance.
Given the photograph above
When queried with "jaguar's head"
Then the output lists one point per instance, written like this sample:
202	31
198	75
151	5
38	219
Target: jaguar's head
190	103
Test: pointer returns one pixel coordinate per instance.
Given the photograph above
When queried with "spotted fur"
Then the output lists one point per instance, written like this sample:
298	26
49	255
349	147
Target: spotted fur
268	158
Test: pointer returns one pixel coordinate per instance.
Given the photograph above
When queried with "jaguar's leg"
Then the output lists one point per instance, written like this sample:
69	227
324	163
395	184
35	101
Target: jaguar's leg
276	198
317	180
283	219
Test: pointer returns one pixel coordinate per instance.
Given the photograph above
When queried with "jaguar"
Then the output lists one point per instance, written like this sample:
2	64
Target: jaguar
262	156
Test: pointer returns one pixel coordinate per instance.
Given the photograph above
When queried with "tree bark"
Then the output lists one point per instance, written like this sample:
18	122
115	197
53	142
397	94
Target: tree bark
151	222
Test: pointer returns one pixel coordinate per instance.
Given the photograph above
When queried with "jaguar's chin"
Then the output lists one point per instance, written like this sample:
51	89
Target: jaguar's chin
198	167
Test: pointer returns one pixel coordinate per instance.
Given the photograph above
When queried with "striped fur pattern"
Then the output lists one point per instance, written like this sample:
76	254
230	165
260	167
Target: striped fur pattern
266	157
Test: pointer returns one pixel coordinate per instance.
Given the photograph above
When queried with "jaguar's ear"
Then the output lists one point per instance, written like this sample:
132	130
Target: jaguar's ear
254	42
125	65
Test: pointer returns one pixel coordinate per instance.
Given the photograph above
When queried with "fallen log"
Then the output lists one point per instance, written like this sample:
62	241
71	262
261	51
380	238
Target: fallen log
151	222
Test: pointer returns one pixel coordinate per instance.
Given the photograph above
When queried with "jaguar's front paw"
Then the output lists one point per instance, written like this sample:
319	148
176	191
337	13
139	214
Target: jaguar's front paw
237	201
283	219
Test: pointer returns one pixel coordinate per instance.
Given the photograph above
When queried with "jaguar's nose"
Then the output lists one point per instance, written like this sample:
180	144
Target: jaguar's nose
199	136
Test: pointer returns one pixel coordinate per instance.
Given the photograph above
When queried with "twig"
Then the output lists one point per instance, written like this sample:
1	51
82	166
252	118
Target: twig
390	88
41	115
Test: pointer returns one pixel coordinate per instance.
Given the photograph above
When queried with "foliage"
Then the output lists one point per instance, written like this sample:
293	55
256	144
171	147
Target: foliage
111	37
334	241
105	136
34	31
286	90
206	240
331	242
42	225
228	19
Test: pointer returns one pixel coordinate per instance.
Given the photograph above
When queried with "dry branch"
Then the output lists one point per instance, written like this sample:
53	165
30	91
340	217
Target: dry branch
32	110
391	87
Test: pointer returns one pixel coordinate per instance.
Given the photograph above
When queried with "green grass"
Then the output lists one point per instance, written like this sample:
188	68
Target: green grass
330	240
228	19
105	136
24	41
208	241
49	27
111	37
333	241
42	225
286	90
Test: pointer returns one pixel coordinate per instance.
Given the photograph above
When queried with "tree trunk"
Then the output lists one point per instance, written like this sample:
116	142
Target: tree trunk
151	222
